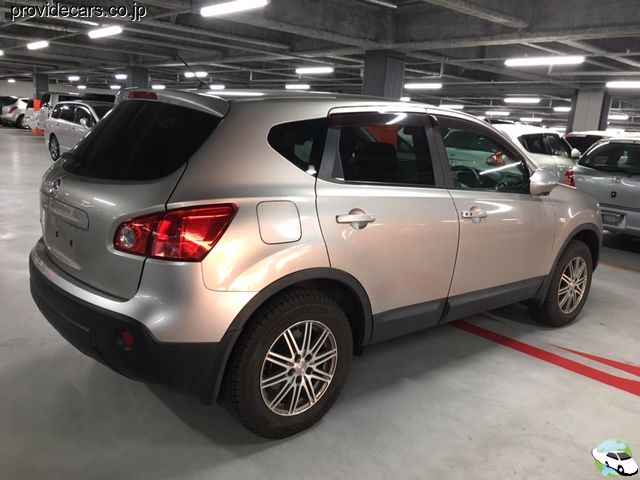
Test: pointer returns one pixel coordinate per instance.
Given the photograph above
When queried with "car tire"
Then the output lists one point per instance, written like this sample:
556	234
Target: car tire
19	122
264	409
572	274
620	469
54	148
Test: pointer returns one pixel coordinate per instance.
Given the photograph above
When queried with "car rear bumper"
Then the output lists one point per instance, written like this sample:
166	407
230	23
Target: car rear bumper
191	341
621	220
96	332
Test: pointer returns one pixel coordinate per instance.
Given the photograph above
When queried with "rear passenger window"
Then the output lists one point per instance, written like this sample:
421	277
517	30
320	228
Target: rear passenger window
387	148
66	112
56	112
300	142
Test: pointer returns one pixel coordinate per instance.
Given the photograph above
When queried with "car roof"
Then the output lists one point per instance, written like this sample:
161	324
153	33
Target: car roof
517	129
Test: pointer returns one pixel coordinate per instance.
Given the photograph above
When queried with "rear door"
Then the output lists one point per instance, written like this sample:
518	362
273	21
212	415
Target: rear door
82	122
385	217
506	235
63	126
126	167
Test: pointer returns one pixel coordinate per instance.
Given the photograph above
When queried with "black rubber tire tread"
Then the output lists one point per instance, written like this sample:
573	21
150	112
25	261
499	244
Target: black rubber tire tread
280	311
549	312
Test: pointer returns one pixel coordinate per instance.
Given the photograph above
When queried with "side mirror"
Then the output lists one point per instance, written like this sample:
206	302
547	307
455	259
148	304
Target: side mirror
575	154
84	122
542	182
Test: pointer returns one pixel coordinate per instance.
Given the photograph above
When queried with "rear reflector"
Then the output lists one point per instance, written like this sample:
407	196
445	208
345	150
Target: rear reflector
126	341
142	95
569	178
185	235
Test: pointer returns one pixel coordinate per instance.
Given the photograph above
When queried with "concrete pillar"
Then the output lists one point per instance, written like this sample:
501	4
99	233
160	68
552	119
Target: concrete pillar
383	74
40	84
137	77
590	110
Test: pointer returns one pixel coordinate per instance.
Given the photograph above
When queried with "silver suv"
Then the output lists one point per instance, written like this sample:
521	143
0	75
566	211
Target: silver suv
244	248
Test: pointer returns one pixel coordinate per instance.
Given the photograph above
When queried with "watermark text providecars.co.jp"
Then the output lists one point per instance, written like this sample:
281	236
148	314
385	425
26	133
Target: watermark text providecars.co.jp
134	12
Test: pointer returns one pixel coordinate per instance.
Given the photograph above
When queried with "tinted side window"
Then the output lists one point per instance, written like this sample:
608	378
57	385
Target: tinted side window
66	112
383	148
300	142
482	161
81	113
141	140
558	146
56	112
533	143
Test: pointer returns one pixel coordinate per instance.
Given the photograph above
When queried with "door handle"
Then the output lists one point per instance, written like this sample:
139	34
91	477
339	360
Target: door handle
357	218
476	214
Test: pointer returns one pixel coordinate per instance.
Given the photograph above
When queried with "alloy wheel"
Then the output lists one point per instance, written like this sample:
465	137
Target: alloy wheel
573	284
298	368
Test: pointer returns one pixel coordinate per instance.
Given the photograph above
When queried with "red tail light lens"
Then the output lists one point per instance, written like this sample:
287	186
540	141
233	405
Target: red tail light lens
142	95
569	178
185	235
13	109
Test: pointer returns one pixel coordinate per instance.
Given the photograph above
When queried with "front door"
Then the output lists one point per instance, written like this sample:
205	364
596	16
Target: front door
385	220
506	235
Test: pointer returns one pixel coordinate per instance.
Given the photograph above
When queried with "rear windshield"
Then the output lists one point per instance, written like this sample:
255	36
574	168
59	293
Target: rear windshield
141	140
583	143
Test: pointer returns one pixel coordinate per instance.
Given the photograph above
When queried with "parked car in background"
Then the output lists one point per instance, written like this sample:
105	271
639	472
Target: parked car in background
48	101
249	246
13	113
6	100
610	171
546	148
583	140
69	122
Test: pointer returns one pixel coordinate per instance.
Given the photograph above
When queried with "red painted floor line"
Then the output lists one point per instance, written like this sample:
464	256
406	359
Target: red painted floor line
625	367
620	383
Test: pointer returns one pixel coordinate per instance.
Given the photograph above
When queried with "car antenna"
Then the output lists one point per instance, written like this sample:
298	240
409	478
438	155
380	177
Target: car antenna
202	84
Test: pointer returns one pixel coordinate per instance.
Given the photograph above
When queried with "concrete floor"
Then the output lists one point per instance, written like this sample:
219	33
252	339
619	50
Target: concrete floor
443	403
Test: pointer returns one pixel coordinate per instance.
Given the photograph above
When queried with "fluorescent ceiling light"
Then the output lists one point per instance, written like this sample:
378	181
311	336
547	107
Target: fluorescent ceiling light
452	106
37	45
297	86
405	99
423	86
232	7
238	93
314	70
382	3
158	87
198	74
1	53
120	76
618	116
217	87
11	80
624	84
81	87
530	119
73	78
105	32
527	100
115	87
537	61
615	130
562	109
497	113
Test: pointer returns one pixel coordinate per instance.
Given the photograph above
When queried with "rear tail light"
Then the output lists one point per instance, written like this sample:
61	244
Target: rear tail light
185	235
13	109
569	178
142	95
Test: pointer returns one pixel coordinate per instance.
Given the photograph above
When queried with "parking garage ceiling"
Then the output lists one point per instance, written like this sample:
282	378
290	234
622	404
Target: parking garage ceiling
461	43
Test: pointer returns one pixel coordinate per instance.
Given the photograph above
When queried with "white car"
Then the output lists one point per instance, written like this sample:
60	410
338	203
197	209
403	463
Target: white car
621	462
546	148
13	114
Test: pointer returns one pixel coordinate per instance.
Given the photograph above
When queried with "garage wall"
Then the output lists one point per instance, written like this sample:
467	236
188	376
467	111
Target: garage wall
18	89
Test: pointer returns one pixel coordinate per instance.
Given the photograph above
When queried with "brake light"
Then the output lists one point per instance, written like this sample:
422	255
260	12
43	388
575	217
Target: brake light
185	235
143	95
13	109
569	178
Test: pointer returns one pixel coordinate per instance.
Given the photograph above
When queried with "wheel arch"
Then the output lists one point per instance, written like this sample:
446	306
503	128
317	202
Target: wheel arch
342	287
587	233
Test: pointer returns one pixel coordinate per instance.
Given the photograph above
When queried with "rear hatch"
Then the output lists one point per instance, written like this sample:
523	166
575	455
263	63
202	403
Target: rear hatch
127	166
